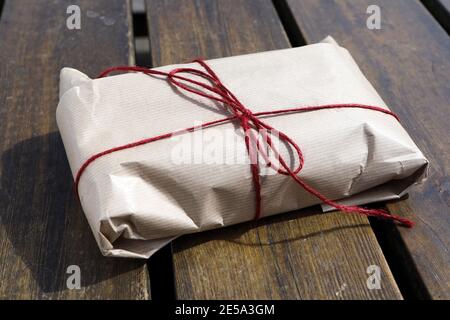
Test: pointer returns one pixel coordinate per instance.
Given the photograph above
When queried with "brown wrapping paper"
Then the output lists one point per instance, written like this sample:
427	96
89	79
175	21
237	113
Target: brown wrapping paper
139	199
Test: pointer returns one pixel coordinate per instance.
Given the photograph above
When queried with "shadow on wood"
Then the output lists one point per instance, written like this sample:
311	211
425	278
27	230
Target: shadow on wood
233	234
44	222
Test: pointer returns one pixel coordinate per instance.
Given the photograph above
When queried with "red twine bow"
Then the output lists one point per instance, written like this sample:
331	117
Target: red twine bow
249	121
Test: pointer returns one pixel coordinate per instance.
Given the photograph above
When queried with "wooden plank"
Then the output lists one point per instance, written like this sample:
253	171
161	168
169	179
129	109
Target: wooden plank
408	63
292	256
43	230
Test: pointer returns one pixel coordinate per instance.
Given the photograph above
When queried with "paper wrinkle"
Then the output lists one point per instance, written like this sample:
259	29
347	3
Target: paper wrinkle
389	191
371	159
170	211
366	157
142	249
117	227
70	78
138	200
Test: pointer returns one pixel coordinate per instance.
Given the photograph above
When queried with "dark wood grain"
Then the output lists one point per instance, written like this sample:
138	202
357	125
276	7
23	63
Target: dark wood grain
43	229
302	255
408	63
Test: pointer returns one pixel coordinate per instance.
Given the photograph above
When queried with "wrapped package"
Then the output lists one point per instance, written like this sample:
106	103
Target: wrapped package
138	199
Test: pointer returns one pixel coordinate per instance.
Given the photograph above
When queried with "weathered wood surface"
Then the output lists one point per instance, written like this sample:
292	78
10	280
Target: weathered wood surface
300	255
43	229
408	61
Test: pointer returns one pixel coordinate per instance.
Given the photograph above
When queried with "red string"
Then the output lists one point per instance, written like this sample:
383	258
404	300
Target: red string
215	90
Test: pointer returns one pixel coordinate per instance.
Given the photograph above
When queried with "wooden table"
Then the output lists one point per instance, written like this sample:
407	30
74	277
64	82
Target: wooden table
298	255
